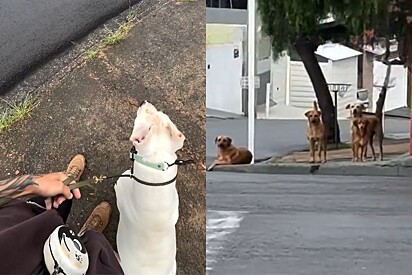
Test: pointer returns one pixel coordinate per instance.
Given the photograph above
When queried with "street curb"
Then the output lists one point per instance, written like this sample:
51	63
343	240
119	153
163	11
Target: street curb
386	170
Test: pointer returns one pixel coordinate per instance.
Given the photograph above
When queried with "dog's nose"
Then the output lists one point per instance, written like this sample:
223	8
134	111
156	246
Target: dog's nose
143	103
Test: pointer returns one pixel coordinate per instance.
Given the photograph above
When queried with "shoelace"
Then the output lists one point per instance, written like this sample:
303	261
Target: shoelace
74	171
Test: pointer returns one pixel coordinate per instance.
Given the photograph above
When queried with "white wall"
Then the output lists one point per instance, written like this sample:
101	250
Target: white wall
223	77
291	84
345	71
301	92
396	97
279	70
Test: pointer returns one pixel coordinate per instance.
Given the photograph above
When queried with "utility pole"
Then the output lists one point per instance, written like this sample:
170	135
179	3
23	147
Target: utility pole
251	76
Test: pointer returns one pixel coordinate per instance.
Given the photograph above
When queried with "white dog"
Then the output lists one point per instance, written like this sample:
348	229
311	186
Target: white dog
146	236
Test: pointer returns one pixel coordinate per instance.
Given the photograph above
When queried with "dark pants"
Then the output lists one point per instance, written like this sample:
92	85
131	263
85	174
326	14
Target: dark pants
25	227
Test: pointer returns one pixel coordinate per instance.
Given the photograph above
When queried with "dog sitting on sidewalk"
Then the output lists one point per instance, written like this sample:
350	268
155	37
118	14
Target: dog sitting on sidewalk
374	127
316	134
230	154
146	236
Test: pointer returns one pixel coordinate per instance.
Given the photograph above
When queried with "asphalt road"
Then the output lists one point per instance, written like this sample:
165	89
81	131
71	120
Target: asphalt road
292	225
277	137
31	31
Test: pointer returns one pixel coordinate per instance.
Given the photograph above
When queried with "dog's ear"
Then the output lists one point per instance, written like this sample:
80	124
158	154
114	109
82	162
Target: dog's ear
320	113
216	139
307	113
176	136
362	106
347	106
229	141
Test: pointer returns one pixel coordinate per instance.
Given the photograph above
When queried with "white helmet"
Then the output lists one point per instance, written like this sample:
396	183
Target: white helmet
64	253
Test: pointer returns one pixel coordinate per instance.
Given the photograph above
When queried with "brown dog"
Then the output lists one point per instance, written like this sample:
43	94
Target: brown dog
316	134
360	138
374	127
230	154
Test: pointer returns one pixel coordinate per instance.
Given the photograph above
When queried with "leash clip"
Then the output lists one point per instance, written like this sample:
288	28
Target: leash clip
180	162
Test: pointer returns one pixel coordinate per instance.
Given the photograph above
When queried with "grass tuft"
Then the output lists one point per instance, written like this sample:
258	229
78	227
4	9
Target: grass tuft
16	113
114	37
93	53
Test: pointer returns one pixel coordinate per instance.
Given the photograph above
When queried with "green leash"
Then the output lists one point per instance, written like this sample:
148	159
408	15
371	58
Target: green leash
90	182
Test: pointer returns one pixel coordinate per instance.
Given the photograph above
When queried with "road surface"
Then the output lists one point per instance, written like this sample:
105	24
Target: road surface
309	225
31	31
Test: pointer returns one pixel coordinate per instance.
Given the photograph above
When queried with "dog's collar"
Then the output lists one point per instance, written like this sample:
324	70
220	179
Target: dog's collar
161	166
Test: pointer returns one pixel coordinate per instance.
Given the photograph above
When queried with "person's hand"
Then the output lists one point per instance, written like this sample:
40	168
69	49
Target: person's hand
51	185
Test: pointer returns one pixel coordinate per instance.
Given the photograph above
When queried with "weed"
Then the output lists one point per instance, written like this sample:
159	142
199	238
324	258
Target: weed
16	112
93	53
114	37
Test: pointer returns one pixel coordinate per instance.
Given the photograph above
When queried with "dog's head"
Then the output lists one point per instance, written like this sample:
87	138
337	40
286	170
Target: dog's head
361	124
223	142
153	130
314	116
355	109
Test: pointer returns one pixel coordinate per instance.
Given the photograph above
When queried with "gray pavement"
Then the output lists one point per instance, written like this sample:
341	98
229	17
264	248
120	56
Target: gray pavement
31	31
311	225
276	137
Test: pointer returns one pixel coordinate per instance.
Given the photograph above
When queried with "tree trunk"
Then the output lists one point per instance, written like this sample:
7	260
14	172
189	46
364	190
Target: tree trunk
380	103
306	50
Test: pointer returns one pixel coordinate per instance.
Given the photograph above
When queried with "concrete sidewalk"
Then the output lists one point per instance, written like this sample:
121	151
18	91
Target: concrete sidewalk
391	148
396	163
91	111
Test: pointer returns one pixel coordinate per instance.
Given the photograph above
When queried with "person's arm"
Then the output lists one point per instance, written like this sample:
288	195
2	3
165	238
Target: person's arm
17	187
48	185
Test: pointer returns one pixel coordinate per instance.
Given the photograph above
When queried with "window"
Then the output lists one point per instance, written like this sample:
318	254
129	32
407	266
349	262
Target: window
227	4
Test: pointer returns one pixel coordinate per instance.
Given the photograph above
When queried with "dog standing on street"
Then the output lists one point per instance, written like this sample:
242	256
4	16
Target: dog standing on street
230	154
316	134
374	127
360	138
149	204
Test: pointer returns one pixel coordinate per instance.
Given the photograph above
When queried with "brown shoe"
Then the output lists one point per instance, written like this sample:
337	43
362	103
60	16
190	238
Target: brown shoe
98	219
76	167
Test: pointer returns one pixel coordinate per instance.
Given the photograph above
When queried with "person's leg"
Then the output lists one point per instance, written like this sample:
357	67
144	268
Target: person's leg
75	169
98	219
102	258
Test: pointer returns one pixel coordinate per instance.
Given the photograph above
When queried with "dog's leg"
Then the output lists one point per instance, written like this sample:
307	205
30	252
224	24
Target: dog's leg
353	151
212	166
324	148
320	149
371	145
380	140
356	151
312	150
362	153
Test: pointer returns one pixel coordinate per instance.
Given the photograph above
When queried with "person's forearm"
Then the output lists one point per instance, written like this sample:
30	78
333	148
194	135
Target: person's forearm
16	187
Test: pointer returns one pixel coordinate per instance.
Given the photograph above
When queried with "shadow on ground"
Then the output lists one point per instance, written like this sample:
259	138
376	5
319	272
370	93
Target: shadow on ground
91	111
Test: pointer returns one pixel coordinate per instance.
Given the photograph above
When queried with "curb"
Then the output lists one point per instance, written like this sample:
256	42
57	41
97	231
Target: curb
334	169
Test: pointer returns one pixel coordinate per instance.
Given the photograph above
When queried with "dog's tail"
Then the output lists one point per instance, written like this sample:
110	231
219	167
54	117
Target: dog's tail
315	105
